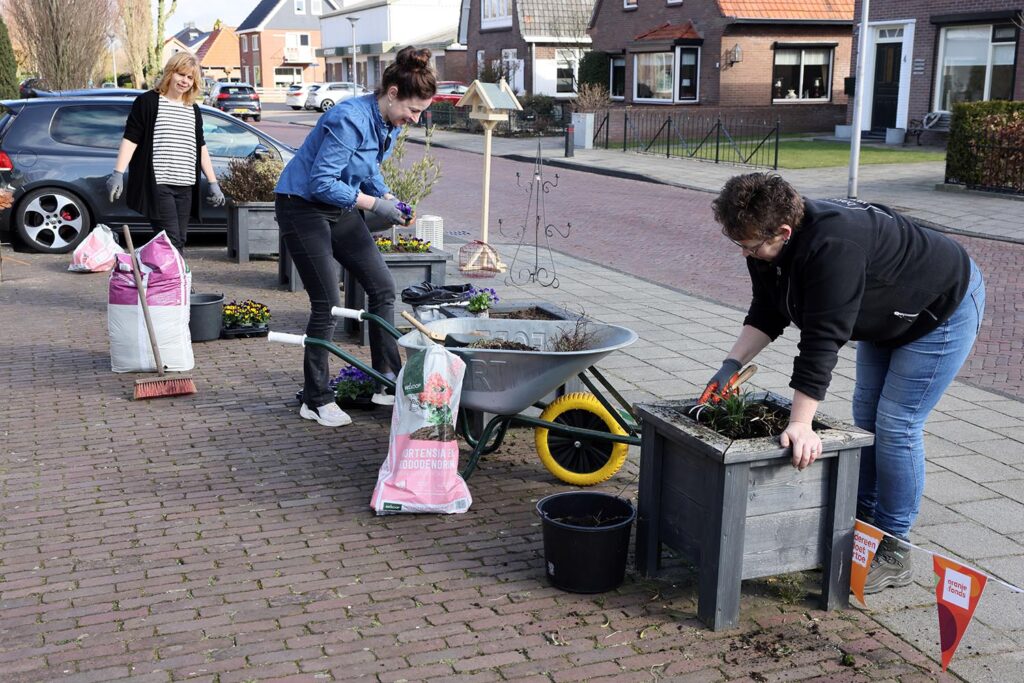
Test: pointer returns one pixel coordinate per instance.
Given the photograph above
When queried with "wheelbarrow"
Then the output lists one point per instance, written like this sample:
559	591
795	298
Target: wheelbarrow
582	438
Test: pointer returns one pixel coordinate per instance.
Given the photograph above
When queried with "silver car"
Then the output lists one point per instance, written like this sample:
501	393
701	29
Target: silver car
329	94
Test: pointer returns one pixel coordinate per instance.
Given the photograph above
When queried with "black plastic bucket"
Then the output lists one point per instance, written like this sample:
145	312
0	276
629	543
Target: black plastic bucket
206	314
586	540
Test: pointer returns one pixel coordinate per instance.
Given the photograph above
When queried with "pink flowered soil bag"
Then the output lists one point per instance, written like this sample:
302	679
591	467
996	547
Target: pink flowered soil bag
97	253
421	473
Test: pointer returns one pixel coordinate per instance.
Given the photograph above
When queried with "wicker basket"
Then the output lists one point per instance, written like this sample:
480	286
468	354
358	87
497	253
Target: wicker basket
431	229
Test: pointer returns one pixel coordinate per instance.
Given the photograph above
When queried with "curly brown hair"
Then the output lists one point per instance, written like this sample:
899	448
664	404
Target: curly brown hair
411	73
753	206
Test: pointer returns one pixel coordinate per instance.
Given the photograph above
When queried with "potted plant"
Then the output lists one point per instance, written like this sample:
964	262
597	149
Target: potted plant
247	318
731	503
481	300
249	185
591	97
353	388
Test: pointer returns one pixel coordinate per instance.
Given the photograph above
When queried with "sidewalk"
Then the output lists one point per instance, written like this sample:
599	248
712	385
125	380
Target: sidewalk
906	187
219	537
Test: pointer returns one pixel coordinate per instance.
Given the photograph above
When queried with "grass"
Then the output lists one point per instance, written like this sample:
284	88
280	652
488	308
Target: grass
813	154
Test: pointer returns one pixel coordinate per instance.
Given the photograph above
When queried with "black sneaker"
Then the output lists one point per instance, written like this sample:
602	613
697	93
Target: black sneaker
891	567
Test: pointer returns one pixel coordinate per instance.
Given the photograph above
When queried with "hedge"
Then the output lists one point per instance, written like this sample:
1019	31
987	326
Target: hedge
986	146
594	68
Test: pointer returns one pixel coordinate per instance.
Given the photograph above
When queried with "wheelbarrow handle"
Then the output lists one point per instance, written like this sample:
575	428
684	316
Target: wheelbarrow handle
286	338
350	313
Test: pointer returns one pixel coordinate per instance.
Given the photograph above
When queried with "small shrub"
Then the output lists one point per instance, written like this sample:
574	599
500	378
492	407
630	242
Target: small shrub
251	179
414	183
986	145
591	98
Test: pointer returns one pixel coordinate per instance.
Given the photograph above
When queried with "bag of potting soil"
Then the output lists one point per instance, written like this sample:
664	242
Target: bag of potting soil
167	281
97	252
421	472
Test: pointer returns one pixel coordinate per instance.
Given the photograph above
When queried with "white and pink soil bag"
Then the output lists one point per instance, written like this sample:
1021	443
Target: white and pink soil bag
97	253
168	282
421	472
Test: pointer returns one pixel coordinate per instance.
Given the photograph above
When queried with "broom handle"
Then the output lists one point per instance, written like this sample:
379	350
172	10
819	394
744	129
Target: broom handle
432	336
137	272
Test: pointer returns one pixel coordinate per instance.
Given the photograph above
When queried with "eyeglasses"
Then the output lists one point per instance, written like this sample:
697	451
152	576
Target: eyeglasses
747	248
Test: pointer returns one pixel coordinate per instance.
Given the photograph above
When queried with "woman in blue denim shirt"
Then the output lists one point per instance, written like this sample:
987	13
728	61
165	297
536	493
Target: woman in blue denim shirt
321	196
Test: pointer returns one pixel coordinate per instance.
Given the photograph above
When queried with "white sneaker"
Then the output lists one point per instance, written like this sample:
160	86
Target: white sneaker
383	399
329	415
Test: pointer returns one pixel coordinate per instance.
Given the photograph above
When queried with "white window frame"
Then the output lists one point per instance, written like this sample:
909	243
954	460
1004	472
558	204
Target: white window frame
631	4
673	2
636	66
495	14
244	41
675	73
300	6
575	61
940	60
481	61
316	7
256	77
293	75
245	74
255	43
611	77
828	84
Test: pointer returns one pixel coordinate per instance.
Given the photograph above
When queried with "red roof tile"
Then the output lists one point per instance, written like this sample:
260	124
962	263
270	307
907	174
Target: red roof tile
671	32
808	10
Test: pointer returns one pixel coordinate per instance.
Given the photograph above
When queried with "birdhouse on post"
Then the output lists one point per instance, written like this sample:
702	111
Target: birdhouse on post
490	104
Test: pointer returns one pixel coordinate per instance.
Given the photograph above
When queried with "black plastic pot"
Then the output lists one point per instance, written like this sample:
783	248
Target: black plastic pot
586	540
205	315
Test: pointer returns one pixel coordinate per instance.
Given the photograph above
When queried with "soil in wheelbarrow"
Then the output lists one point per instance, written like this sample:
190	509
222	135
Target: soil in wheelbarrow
531	313
502	344
445	432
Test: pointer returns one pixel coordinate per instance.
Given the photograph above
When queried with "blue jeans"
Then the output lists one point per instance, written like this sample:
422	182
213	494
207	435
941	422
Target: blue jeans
896	390
319	237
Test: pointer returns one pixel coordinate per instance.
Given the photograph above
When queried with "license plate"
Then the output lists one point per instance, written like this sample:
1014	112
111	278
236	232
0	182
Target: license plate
241	111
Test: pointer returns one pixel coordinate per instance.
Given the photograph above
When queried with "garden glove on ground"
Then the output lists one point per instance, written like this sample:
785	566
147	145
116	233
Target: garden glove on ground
718	383
216	197
115	185
388	210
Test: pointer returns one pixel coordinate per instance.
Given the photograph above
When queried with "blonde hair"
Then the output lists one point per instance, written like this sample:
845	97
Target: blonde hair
181	63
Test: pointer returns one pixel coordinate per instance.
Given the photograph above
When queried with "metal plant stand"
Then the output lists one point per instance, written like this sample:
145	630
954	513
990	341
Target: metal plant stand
520	271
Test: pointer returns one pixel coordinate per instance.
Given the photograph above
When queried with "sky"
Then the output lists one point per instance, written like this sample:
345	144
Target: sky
205	12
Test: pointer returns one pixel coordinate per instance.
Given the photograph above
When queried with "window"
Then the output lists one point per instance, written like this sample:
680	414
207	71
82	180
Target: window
245	43
975	63
652	77
255	43
495	14
225	138
481	60
316	7
802	74
89	126
565	72
689	74
617	86
256	76
300	6
287	75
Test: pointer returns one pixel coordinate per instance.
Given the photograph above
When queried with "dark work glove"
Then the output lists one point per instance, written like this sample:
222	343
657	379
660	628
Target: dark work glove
388	209
730	366
115	185
216	197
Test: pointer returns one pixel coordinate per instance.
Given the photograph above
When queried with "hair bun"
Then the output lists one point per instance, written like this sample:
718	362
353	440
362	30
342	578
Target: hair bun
410	58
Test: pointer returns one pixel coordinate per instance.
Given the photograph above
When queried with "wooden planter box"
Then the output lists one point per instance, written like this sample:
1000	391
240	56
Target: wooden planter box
252	230
739	509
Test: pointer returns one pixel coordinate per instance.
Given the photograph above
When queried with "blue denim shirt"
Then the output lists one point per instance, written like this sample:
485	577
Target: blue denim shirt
341	155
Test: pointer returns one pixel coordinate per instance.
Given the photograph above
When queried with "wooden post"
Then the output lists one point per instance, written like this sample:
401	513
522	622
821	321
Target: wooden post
488	127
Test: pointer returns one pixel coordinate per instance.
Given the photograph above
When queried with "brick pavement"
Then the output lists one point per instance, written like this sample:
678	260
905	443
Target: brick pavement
221	538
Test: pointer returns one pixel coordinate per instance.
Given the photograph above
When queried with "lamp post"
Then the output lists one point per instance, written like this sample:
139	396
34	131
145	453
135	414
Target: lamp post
352	21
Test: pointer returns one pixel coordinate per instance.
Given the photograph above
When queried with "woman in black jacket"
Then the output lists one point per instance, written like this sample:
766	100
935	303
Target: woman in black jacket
163	149
843	270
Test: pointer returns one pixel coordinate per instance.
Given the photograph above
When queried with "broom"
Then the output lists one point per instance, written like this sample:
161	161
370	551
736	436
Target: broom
157	386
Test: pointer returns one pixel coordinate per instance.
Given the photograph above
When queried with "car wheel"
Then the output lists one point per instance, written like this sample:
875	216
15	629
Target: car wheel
296	108
257	118
326	104
52	220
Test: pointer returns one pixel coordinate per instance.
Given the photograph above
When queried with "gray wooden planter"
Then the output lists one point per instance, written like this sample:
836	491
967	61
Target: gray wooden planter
252	230
739	510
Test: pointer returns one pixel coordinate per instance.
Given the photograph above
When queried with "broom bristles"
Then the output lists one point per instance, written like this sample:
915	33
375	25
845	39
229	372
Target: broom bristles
158	387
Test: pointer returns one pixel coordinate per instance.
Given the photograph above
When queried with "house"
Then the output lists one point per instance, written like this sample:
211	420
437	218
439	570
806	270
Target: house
378	29
923	57
278	40
218	55
536	45
780	60
188	39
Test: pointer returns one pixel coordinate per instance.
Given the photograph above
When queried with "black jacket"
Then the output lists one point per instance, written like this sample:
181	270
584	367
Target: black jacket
140	192
855	271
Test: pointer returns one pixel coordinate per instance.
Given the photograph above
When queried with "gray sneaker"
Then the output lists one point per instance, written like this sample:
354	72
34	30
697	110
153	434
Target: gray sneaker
891	567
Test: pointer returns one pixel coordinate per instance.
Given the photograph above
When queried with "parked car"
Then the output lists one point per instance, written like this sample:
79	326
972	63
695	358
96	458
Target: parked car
56	154
329	94
238	99
297	94
450	91
90	92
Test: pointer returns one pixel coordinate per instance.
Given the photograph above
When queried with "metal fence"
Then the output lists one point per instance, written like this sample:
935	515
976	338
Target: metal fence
708	138
988	163
521	123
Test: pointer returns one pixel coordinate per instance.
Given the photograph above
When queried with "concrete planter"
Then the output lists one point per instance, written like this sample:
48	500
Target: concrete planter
739	510
252	230
895	136
844	132
583	130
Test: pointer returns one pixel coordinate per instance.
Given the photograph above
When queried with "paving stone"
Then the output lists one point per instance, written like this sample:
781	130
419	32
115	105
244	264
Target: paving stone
979	468
948	487
1004	451
999	514
959	432
970	541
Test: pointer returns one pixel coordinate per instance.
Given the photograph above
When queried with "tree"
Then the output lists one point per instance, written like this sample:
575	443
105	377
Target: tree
156	47
8	65
135	29
65	39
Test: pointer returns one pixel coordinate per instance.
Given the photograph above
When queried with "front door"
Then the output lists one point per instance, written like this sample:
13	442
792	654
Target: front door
887	85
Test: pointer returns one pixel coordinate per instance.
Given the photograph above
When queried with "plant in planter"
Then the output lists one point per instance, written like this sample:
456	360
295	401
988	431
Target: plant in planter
249	185
591	98
481	300
414	183
402	244
245	317
352	388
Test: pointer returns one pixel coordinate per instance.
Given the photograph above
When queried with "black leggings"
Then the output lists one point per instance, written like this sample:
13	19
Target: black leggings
173	207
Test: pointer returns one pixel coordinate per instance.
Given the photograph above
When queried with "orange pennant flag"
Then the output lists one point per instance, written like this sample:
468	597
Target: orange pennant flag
956	595
865	542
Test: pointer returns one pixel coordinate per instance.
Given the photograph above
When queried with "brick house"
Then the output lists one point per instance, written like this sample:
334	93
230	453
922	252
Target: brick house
188	39
218	55
784	59
535	44
278	40
924	56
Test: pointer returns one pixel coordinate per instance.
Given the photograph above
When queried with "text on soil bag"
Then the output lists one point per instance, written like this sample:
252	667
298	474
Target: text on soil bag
435	456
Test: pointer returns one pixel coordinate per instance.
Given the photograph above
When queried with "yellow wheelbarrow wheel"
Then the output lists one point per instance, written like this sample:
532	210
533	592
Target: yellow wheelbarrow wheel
582	461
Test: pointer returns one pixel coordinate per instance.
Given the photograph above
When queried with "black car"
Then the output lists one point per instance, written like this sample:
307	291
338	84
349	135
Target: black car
239	99
56	154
